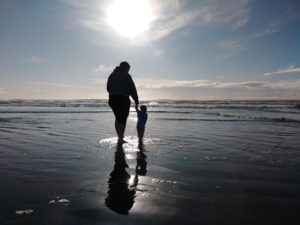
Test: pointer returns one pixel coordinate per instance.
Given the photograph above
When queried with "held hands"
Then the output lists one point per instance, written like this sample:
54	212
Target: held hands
137	107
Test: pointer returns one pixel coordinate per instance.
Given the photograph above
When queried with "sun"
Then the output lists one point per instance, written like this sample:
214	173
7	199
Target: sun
130	18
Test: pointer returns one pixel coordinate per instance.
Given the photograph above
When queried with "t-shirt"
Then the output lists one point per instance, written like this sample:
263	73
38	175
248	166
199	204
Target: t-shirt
142	119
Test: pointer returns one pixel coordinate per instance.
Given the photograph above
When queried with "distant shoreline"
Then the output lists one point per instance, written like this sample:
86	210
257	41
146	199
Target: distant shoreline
152	100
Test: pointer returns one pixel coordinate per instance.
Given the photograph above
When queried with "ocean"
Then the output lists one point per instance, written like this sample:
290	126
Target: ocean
201	162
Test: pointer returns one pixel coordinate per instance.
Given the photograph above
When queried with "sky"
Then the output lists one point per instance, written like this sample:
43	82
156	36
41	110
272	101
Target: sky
177	49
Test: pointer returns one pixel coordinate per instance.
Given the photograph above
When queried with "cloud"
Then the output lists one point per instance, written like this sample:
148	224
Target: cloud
206	89
271	29
36	59
90	14
231	47
60	85
104	69
161	84
290	14
289	69
168	15
274	25
172	15
285	85
246	84
162	89
236	13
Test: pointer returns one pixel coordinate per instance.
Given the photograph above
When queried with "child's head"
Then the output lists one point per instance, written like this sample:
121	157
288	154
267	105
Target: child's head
143	108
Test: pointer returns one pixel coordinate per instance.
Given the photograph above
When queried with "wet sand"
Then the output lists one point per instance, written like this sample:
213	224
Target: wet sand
68	169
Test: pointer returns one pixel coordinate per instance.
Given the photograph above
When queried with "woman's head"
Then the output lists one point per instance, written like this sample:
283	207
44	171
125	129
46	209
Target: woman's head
125	66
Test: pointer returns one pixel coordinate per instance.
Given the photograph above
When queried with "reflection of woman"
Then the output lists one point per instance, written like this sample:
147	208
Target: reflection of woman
120	197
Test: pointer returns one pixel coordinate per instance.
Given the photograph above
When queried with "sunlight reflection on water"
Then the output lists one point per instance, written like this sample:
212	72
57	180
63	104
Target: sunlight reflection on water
131	145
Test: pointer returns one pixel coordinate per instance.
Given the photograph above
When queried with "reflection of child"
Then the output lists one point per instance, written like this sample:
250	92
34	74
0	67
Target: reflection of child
142	119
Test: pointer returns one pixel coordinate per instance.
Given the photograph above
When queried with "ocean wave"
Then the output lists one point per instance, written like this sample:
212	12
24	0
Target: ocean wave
191	104
199	119
45	112
85	111
4	120
226	106
266	118
55	103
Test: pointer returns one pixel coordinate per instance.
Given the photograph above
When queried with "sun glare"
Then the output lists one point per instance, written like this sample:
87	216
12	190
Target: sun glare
130	18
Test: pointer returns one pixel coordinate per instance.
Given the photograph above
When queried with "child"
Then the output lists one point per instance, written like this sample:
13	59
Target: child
142	119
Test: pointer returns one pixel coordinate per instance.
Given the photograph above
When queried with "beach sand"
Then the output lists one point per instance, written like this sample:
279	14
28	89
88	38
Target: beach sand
190	169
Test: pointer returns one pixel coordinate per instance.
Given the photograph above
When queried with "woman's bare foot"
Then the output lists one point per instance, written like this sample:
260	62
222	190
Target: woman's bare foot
121	141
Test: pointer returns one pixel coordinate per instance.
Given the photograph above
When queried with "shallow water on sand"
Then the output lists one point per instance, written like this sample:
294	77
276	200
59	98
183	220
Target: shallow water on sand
197	165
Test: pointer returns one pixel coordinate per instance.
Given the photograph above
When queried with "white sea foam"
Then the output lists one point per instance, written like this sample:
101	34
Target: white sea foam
63	200
109	142
24	212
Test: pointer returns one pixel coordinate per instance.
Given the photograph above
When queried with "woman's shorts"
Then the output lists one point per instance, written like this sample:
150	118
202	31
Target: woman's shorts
120	105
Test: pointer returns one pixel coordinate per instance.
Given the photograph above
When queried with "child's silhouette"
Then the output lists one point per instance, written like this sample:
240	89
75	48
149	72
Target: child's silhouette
142	119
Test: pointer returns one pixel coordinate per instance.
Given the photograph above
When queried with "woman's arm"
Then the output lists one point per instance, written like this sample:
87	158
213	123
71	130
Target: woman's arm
137	108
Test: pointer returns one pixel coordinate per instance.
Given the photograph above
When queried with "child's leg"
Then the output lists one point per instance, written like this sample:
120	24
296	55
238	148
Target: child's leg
141	134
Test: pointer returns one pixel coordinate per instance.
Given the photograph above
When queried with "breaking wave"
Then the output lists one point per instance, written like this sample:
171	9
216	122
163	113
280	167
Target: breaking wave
266	118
